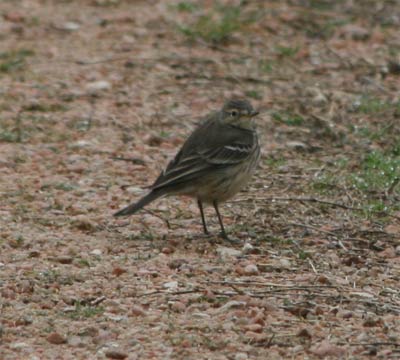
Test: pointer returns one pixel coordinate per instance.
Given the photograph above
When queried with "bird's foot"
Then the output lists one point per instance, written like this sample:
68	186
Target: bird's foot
233	241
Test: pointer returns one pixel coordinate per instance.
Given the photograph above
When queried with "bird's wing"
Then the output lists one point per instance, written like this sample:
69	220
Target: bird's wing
210	147
232	153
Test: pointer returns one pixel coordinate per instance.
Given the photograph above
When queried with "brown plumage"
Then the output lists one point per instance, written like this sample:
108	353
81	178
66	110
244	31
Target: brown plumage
214	163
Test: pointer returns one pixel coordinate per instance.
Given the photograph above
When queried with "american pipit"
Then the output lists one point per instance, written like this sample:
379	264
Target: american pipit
214	163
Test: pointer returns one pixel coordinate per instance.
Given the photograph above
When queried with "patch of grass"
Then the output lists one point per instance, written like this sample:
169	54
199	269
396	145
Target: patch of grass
395	151
329	180
83	311
371	105
7	135
379	170
186	6
266	66
275	162
14	60
64	187
368	133
323	185
287	51
303	255
288	118
218	25
82	263
254	94
279	241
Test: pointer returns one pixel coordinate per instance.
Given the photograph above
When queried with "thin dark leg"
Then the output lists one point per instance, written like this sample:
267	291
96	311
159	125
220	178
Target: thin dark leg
223	233
200	204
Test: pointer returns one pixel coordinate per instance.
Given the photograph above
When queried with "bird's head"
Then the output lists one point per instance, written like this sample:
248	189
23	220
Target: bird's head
238	113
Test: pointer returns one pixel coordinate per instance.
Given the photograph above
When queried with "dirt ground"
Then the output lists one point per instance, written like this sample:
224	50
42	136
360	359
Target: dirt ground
97	95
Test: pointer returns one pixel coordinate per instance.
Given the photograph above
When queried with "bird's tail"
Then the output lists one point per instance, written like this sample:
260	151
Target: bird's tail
132	208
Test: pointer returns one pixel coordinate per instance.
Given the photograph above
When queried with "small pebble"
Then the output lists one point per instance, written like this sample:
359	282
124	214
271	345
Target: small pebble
224	252
97	86
70	26
241	356
251	269
116	354
397	251
247	248
137	311
171	285
64	259
56	338
233	304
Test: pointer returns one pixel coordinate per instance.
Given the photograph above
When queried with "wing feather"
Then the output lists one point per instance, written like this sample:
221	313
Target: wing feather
209	148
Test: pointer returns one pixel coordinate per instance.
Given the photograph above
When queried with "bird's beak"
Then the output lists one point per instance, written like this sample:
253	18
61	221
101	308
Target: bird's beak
254	113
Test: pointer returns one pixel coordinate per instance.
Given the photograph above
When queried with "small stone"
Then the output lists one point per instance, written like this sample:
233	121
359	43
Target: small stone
247	248
326	349
70	26
97	86
397	251
201	315
56	338
75	341
257	328
172	285
116	354
256	337
304	333
224	252
64	259
80	144
34	254
167	250
137	311
241	356
233	304
96	252
82	222
355	32
117	271
296	145
113	317
285	263
103	336
177	263
318	98
251	269
153	140
178	306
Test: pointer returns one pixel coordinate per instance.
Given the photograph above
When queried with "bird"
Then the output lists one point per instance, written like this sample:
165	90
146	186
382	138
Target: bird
213	164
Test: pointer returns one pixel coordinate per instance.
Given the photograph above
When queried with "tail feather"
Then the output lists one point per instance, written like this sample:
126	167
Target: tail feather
132	208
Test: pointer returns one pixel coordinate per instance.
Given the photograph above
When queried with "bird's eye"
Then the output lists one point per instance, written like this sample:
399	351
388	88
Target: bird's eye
234	113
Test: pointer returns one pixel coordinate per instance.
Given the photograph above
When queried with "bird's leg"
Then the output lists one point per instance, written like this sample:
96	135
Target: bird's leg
223	233
200	204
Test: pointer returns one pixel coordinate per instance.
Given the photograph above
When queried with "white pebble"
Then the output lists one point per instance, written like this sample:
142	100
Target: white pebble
96	252
171	285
